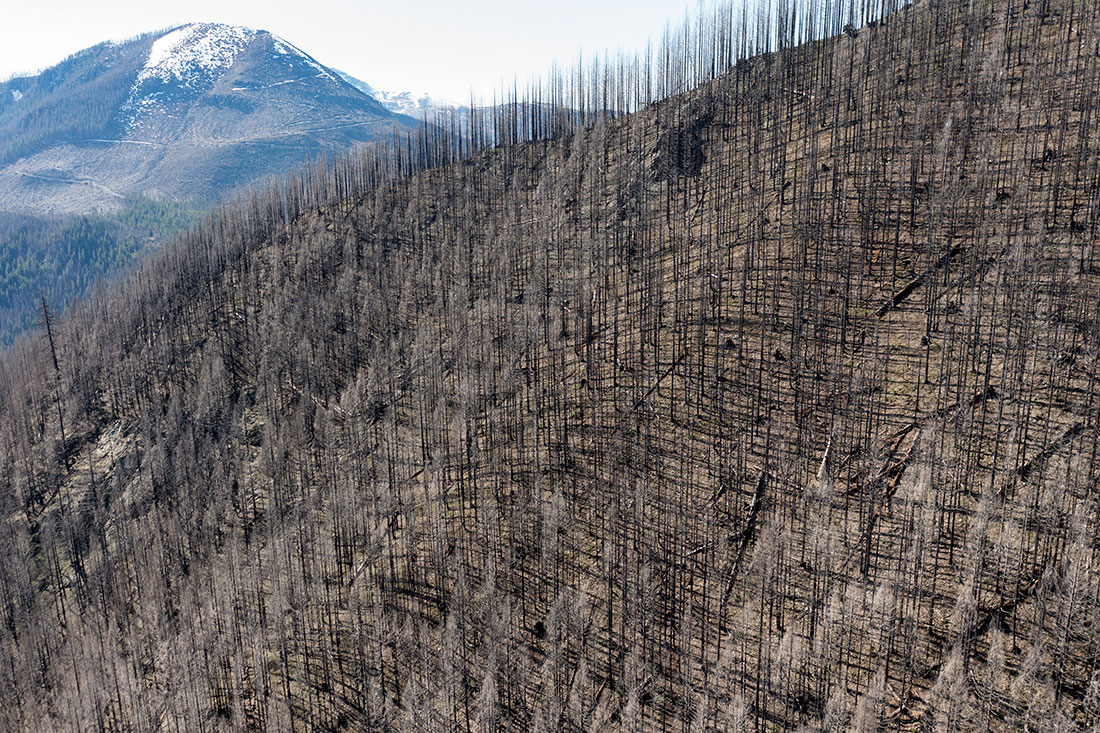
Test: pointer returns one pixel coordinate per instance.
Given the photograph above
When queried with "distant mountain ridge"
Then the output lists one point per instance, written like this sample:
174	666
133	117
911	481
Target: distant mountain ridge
421	105
186	113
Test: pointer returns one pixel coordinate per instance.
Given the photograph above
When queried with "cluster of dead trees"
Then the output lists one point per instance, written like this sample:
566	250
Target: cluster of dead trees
753	389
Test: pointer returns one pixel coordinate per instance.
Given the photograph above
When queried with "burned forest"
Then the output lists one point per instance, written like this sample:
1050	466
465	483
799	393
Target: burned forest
749	383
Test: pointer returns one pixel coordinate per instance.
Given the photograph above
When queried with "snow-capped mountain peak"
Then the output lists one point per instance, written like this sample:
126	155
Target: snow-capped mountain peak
187	62
194	49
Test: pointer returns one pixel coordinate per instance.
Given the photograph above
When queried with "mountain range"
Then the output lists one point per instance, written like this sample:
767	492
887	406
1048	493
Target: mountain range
187	113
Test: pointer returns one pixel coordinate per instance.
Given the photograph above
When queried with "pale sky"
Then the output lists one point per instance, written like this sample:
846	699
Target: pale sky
445	48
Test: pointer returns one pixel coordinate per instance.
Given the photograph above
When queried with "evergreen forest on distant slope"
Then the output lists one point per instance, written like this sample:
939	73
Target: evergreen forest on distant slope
751	384
63	257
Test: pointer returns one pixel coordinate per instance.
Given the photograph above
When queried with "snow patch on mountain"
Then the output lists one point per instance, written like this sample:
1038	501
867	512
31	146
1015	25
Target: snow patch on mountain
186	57
16	95
193	56
193	51
283	48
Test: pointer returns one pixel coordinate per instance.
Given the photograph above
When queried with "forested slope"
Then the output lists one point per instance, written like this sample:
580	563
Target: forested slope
772	404
64	257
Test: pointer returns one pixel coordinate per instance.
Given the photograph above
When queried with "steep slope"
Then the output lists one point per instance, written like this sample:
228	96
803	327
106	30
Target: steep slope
773	404
187	114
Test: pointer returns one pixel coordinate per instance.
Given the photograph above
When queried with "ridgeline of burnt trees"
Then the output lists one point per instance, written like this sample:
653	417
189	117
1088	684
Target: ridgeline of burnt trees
750	384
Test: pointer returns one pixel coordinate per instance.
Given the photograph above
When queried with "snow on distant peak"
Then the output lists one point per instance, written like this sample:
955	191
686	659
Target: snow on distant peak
415	104
194	56
16	95
419	105
189	55
193	50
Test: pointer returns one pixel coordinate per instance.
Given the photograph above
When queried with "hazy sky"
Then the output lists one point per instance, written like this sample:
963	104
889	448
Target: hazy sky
442	47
